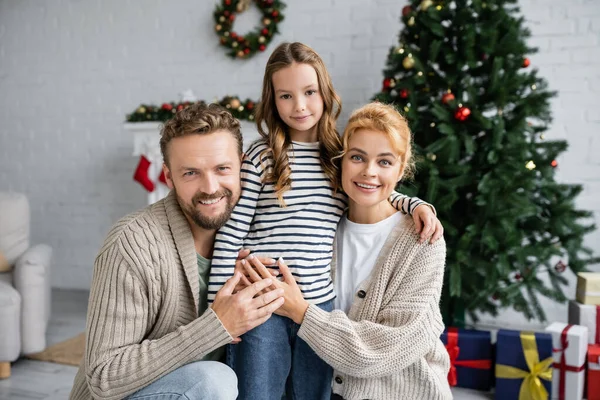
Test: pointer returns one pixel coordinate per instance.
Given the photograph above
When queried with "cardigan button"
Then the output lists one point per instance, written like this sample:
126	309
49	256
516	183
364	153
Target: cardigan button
338	380
361	294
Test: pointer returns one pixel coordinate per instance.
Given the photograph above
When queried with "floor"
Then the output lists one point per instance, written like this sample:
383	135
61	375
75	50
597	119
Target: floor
36	380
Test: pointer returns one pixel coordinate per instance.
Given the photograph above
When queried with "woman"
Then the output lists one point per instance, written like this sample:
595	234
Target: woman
383	338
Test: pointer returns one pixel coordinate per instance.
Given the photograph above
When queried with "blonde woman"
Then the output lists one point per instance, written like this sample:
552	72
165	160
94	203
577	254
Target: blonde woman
382	339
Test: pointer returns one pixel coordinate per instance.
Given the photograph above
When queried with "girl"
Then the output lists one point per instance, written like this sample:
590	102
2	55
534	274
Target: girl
289	207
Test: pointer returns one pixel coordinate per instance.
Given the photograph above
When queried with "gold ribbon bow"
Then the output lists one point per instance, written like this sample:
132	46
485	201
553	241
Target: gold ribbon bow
531	387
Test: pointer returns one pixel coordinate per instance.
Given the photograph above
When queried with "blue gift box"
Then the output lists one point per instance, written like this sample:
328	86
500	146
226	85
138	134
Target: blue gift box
509	352
473	345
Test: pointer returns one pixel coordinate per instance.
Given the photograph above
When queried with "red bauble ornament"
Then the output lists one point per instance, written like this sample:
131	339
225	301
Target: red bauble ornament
167	106
275	13
232	17
246	51
560	266
262	47
406	10
265	31
387	83
249	105
226	13
462	114
526	62
240	39
180	107
227	2
403	93
233	35
554	163
447	97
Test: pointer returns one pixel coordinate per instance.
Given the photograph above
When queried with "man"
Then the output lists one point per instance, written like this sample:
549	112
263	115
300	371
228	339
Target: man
150	333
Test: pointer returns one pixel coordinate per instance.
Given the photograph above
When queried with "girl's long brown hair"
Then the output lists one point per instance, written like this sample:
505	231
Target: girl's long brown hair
276	132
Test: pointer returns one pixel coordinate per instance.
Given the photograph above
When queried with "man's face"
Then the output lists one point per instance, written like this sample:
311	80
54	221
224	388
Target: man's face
204	170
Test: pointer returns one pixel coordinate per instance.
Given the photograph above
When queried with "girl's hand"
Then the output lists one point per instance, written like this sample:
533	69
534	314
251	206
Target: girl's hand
294	307
244	282
427	224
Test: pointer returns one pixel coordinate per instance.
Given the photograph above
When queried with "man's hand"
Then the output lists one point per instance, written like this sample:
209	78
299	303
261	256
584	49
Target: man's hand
242	311
427	224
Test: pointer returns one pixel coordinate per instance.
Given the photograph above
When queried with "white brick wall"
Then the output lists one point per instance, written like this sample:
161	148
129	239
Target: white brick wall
71	70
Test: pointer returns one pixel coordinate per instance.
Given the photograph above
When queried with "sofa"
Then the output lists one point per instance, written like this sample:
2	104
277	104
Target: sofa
24	283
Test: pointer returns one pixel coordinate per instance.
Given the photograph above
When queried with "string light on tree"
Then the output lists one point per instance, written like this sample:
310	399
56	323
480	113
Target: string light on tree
530	165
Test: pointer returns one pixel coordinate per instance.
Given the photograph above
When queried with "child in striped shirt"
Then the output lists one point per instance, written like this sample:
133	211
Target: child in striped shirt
289	208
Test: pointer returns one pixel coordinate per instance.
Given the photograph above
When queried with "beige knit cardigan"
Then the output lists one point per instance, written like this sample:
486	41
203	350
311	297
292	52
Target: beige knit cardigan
388	346
142	320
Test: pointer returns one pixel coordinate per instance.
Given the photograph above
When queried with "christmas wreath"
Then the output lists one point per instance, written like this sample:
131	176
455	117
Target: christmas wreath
242	110
246	46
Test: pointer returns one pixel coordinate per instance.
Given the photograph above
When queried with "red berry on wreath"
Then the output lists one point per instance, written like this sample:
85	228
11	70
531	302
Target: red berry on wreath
269	2
180	107
232	17
447	97
233	35
226	13
404	93
462	114
227	2
526	62
262	47
246	51
275	13
167	106
406	10
250	105
265	31
240	39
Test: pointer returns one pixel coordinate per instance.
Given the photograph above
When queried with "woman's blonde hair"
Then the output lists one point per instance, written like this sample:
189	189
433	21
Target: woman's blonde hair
276	132
386	119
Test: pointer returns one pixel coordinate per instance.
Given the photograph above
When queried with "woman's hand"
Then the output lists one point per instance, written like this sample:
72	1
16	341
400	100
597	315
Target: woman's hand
294	306
427	224
244	282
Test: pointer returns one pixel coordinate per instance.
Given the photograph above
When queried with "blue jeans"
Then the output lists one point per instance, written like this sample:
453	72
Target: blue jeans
200	380
272	360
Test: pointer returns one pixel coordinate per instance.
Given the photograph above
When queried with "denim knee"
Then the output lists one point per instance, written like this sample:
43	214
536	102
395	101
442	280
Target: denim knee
216	381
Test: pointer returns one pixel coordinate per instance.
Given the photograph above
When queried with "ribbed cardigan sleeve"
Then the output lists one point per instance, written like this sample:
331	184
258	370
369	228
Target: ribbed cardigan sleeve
408	322
119	360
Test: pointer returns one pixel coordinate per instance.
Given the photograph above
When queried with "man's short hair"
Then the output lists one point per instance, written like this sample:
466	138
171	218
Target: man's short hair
199	119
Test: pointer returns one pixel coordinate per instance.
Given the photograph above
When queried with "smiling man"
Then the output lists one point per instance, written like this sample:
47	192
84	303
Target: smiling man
150	332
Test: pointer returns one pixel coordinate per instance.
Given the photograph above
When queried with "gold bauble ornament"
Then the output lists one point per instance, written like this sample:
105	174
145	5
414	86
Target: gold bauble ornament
241	108
221	19
431	156
261	39
218	27
267	21
411	21
235	103
241	54
141	110
408	62
234	44
425	4
226	34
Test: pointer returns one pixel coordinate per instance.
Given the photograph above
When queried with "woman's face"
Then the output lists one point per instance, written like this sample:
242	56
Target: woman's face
371	168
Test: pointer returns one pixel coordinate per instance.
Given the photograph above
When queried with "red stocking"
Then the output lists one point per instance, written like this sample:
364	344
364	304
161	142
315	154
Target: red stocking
141	174
161	177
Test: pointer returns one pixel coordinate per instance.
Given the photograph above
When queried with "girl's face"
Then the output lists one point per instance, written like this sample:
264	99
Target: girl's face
371	168
298	100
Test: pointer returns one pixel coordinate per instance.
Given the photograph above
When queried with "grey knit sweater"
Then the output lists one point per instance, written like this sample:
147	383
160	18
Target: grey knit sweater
388	346
142	320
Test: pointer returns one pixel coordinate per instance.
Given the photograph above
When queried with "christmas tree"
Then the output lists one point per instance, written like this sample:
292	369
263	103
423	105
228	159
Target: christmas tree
462	76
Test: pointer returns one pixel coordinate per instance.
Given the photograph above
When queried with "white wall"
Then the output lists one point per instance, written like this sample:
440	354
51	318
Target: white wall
71	70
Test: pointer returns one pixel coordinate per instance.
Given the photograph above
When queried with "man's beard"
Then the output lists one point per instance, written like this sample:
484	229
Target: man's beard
202	221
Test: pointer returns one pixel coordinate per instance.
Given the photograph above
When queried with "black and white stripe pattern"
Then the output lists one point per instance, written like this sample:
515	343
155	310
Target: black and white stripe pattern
301	233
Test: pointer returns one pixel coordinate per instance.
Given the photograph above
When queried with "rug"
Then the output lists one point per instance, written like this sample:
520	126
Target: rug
69	352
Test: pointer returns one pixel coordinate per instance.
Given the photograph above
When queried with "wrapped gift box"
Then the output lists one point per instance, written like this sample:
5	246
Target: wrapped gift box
569	345
521	358
588	288
588	316
470	358
593	378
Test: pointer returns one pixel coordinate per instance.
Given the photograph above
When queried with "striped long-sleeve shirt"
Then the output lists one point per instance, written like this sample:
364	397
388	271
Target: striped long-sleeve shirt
301	233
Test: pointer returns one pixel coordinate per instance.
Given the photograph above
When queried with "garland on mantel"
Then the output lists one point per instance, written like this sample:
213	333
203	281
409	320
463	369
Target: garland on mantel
242	110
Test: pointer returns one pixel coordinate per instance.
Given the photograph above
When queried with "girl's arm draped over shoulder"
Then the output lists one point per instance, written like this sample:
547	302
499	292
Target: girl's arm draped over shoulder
230	238
407	325
406	204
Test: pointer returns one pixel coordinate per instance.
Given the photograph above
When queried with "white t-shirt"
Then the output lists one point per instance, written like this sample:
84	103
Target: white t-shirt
357	249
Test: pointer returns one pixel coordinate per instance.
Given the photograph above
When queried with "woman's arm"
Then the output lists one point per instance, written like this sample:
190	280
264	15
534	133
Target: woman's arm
407	325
